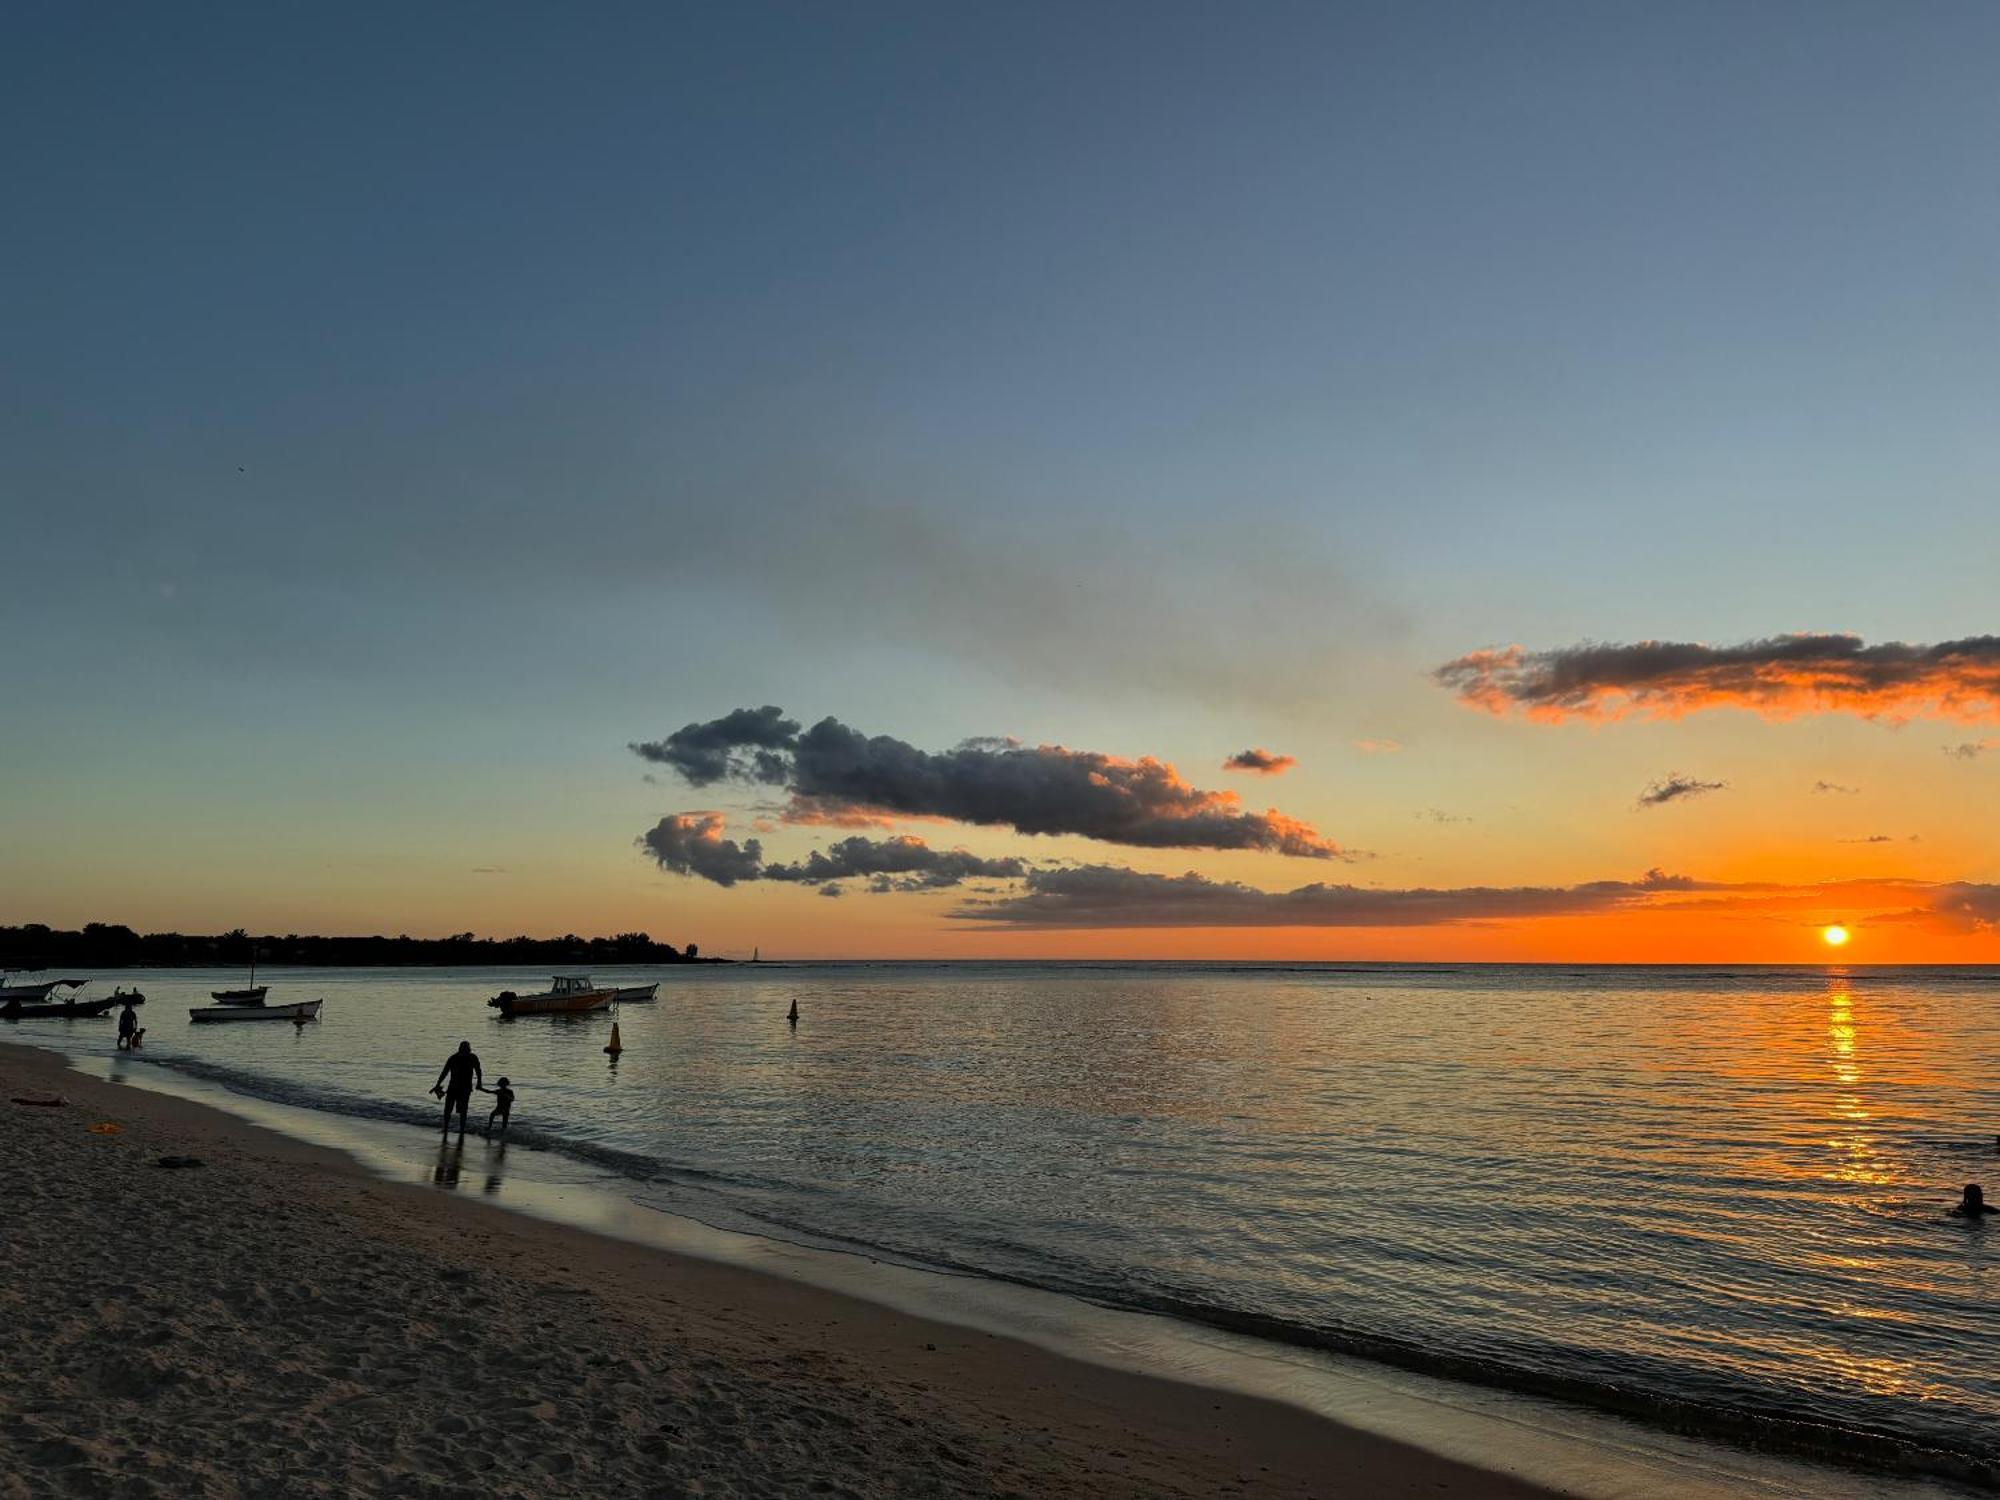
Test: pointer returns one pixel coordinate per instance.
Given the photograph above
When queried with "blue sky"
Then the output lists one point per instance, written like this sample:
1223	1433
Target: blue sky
407	407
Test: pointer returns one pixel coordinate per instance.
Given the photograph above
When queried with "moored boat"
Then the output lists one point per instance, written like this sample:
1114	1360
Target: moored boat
567	994
252	993
304	1010
18	1010
635	994
27	993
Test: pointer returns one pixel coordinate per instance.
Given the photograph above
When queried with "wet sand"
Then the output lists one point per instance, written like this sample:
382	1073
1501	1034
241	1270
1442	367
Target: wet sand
276	1320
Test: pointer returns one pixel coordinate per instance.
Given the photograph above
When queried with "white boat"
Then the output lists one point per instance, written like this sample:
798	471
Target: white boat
305	1010
30	992
634	994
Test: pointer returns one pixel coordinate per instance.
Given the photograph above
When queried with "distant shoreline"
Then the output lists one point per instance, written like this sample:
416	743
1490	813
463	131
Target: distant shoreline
100	945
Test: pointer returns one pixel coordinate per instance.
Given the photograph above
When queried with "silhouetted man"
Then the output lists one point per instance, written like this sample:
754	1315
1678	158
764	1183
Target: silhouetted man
456	1081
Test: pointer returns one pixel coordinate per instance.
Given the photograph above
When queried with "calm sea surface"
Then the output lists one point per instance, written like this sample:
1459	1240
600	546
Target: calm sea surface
1713	1197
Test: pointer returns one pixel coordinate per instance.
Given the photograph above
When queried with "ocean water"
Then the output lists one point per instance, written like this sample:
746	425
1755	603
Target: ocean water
1708	1198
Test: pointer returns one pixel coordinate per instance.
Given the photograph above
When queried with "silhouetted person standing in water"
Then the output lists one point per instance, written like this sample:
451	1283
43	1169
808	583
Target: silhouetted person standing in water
456	1081
128	1028
1974	1205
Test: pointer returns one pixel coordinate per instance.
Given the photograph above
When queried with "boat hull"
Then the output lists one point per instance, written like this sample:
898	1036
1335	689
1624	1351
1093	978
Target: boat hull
62	1009
636	994
304	1010
546	1005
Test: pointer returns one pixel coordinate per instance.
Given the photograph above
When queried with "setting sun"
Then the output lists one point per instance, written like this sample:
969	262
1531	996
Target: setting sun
1835	936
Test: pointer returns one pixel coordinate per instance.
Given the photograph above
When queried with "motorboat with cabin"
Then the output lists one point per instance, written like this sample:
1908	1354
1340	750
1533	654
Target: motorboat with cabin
567	994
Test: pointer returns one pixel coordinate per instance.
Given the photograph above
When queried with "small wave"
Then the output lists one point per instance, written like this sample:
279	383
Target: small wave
634	1165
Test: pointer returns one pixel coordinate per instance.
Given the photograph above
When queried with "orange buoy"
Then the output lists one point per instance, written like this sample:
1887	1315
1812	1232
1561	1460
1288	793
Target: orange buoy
616	1046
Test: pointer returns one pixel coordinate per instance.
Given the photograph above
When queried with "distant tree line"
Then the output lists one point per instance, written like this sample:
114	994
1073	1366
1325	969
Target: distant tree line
103	945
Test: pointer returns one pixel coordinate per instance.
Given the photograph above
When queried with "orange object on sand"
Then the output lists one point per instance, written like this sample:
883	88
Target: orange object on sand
105	1127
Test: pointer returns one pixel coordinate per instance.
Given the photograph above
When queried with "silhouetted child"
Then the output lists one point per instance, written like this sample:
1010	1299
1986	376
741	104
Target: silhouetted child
503	1106
1974	1205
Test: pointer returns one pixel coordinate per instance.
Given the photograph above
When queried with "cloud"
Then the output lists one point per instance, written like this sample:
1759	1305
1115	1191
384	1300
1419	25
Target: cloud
1834	786
489	870
922	867
1885	838
1778	678
1260	762
1378	747
1959	906
1970	749
1439	815
1113	897
1675	787
835	773
742	745
833	890
692	844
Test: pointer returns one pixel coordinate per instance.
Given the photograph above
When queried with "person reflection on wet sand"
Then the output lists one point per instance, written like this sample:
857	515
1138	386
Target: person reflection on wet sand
494	1159
450	1155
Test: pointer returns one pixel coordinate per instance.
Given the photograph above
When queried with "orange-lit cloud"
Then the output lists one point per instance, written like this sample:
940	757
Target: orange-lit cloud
1378	747
1260	762
1777	678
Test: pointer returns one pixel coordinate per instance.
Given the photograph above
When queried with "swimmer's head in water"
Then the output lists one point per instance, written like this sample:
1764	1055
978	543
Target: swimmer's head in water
1975	1196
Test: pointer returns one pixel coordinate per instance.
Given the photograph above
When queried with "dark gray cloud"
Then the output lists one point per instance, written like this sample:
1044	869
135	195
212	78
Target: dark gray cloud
1834	786
1778	677
919	866
1260	762
839	775
692	844
1676	787
1110	896
1970	749
742	745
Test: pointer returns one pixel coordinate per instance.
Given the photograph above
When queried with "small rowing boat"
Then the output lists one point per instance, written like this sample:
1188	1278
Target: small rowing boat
252	993
635	994
305	1010
567	995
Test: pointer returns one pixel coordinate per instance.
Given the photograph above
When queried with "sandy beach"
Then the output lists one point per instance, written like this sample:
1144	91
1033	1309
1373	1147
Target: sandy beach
277	1320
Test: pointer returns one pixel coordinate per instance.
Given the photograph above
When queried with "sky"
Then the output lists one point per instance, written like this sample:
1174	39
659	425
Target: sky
409	411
